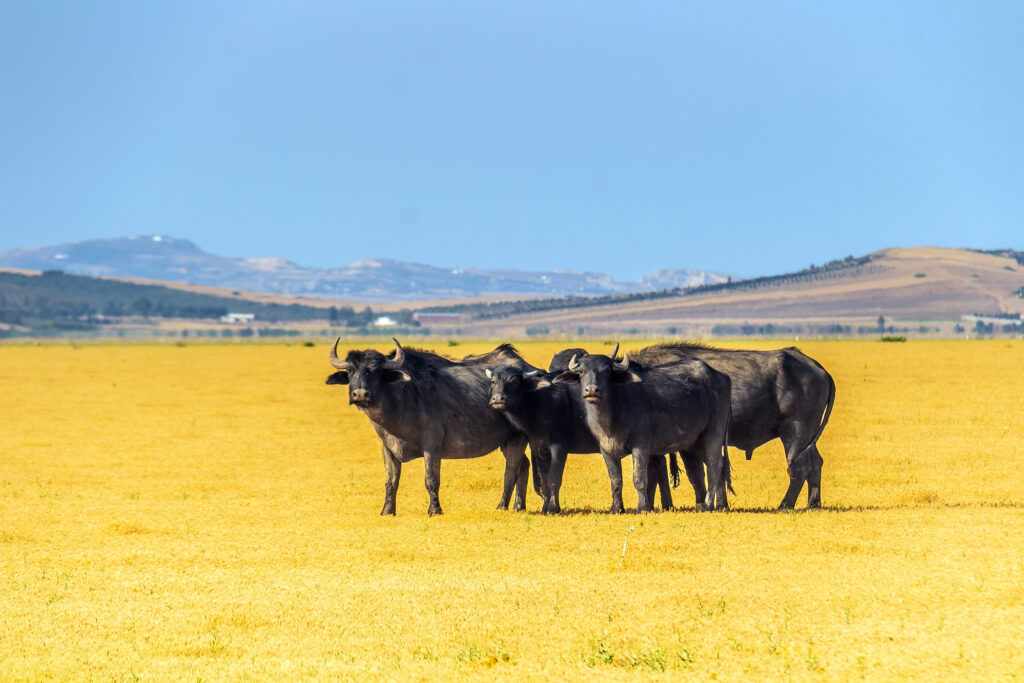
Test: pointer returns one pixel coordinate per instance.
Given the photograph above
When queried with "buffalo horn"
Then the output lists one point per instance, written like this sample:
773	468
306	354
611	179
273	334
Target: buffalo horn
396	362
624	365
488	373
531	373
573	365
333	357
614	352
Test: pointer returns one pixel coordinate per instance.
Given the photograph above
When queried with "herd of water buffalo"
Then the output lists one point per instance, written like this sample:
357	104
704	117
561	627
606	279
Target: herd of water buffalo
676	398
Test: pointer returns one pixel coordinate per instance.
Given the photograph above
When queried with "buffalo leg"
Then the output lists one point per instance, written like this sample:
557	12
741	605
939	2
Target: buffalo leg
432	480
721	499
392	471
554	481
814	479
798	465
540	460
515	475
652	478
797	476
714	462
658	482
694	467
522	484
664	483
509	482
517	448
614	466
641	466
725	485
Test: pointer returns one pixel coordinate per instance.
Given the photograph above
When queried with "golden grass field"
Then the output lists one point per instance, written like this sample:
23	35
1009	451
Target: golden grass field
211	512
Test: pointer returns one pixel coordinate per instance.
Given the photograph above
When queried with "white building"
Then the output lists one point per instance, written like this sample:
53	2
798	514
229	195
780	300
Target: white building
238	318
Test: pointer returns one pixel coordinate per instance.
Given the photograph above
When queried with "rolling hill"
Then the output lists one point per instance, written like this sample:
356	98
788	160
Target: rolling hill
908	284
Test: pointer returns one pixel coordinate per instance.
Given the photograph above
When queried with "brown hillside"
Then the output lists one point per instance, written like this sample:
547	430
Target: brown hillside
920	283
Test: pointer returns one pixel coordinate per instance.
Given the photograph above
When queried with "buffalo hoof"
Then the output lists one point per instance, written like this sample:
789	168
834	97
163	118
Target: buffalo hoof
617	509
786	505
518	506
387	511
550	508
434	510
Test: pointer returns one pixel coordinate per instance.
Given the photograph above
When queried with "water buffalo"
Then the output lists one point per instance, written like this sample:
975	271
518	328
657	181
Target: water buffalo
425	405
661	465
553	417
638	410
775	394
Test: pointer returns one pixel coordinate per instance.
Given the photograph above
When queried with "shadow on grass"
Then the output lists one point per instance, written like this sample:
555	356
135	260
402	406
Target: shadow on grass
583	511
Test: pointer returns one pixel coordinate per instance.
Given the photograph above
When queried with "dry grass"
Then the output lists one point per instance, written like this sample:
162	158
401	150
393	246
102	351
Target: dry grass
211	512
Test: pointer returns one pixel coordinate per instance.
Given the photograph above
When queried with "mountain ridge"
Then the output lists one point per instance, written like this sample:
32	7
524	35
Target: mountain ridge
158	257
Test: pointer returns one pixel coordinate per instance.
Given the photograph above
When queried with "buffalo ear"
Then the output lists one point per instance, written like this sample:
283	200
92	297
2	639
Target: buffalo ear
626	376
567	378
391	376
537	382
338	378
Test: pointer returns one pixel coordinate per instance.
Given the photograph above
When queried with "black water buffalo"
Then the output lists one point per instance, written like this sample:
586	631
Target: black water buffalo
425	405
661	465
775	394
553	417
636	410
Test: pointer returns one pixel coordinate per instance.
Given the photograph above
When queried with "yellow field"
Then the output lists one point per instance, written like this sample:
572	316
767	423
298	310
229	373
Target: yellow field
211	512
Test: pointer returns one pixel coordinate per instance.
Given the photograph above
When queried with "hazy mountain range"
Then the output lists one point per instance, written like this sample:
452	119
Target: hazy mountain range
166	258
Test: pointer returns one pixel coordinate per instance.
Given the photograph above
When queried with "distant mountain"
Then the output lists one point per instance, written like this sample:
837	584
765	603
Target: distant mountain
681	278
166	258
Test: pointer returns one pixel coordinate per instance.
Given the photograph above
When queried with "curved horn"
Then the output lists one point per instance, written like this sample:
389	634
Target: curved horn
396	362
333	357
531	373
573	365
488	373
624	365
614	352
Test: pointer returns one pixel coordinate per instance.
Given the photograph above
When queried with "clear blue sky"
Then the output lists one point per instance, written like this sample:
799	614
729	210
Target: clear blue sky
750	138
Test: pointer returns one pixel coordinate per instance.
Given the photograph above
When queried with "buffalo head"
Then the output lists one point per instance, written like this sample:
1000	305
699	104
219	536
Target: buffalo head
366	373
598	374
509	384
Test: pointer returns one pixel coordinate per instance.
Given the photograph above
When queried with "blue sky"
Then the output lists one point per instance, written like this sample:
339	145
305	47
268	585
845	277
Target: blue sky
750	138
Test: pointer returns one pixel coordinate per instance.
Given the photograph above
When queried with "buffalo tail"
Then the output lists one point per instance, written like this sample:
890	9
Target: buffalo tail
725	454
